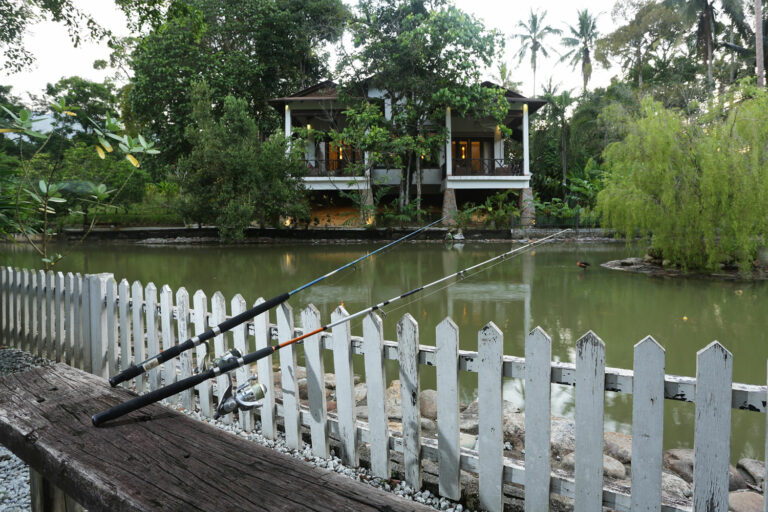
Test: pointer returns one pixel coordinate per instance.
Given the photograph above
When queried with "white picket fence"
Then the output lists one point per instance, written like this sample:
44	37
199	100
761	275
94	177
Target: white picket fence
87	321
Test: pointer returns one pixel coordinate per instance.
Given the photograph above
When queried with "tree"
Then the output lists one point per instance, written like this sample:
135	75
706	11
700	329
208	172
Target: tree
696	187
759	57
95	100
559	105
582	40
231	177
424	55
532	39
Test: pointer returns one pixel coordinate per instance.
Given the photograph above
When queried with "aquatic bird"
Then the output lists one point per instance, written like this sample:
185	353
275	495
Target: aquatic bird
582	264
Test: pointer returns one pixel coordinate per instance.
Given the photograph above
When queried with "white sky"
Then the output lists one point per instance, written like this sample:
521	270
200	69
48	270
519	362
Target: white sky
57	58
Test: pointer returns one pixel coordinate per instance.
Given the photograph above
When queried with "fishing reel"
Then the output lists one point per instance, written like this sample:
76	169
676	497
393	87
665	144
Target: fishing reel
210	361
245	397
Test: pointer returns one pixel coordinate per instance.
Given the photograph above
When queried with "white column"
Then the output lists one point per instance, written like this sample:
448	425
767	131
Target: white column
526	163
448	155
498	144
288	125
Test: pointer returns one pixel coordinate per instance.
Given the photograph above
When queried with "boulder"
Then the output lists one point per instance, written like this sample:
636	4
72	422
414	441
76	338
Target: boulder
428	403
680	462
745	501
563	436
467	440
513	427
468	420
393	400
611	467
755	469
330	380
673	486
618	446
361	392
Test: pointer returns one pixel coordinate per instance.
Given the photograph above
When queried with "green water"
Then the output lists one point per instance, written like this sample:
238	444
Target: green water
564	300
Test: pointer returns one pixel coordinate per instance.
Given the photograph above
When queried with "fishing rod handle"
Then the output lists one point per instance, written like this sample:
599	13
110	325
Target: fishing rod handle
150	398
166	355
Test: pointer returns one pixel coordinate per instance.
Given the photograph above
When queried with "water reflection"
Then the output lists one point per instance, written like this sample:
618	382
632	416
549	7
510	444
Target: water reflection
543	287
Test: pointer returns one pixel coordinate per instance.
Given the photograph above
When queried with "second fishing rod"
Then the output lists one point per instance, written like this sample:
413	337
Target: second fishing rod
166	355
226	365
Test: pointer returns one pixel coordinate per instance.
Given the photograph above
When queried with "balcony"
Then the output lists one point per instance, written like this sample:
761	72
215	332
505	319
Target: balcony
487	167
328	168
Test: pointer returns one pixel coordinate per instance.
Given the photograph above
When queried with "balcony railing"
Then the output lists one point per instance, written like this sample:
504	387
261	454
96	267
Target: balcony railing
326	168
487	167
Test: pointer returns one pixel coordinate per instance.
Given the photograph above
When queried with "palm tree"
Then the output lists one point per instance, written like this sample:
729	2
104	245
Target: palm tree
532	39
582	41
759	43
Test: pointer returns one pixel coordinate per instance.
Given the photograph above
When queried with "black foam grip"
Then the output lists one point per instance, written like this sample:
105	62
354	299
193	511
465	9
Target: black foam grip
127	374
259	354
150	398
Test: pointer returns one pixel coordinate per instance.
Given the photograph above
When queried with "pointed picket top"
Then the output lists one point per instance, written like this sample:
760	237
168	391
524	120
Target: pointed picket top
716	348
447	326
648	342
218	297
165	289
538	335
311	309
589	339
199	294
237	299
489	330
151	287
340	311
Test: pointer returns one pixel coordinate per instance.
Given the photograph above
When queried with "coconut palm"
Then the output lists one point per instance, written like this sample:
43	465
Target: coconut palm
582	41
532	39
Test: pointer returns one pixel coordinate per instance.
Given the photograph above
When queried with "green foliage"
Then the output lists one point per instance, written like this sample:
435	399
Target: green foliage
698	187
582	42
230	178
532	37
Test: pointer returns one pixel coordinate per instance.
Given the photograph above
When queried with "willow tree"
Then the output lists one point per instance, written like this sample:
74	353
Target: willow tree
697	188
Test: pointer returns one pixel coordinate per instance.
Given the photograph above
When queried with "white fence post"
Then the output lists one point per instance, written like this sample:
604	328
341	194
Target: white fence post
288	378
538	369
124	305
376	382
182	327
346	409
69	319
61	312
139	354
240	340
490	353
448	440
153	346
220	346
408	359
204	391
318	407
263	339
647	425
4	302
712	431
85	323
27	283
590	400
97	315
40	311
50	314
112	320
166	326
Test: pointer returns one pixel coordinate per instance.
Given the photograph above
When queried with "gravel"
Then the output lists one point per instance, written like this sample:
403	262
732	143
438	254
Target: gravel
14	474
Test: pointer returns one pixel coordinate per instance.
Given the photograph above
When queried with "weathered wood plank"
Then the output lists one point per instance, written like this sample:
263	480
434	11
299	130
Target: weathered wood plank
490	350
4	302
153	345
40	312
139	354
346	409
262	339
447	357
647	425
167	336
288	378
85	323
313	352
13	304
69	318
239	339
538	354
173	463
712	430
126	347
28	299
590	399
408	344
185	358
60	314
97	316
220	345
112	321
376	381
204	390
50	314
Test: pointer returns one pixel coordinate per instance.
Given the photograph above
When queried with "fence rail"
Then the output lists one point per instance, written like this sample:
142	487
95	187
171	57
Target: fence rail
94	323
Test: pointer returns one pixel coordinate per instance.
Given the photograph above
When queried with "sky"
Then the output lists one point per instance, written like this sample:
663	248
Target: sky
57	58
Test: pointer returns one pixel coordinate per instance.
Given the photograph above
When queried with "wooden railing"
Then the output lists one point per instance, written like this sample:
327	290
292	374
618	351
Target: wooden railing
487	167
87	321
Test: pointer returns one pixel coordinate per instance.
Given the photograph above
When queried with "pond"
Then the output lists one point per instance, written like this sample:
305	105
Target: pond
543	287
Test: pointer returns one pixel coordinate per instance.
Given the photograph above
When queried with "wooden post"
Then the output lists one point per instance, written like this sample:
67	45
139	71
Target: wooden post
376	381
40	312
111	312
61	312
97	315
218	315
345	388
84	347
182	327
137	303
408	358
240	339
318	408
153	346
124	305
69	318
50	314
166	327
538	369
201	321
448	440
288	364
263	339
490	352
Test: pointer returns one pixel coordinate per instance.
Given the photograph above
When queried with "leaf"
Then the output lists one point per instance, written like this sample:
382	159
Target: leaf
132	159
43	186
10	113
70	113
116	137
33	133
24	115
101	153
57	200
142	141
9	130
152	152
107	146
123	148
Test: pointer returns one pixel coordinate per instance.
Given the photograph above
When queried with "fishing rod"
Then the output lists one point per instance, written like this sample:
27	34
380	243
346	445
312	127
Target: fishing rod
137	369
248	393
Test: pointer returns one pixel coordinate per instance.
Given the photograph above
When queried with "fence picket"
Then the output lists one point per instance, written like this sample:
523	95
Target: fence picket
288	364
15	320
538	354
137	303
204	391
490	352
59	315
4	303
376	382
69	319
647	425
220	345
26	310
239	335
50	315
590	400
153	344
318	407
345	387
111	312
124	305
85	323
448	441
185	358
40	312
262	339
11	305
712	439
166	326
99	340
408	359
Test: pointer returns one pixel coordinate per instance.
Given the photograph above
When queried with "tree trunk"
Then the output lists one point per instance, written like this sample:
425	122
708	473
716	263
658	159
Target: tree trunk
639	61
563	158
418	187
408	179
759	43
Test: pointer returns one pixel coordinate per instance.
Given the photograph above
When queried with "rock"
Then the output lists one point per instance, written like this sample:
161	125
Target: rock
675	487
611	467
428	425
755	469
393	400
361	392
745	501
563	436
303	393
467	440
331	405
513	427
468	420
618	446
428	403
736	480
680	462
330	379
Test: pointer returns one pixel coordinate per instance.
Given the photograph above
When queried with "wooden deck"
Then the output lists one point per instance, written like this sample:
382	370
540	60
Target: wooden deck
156	458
